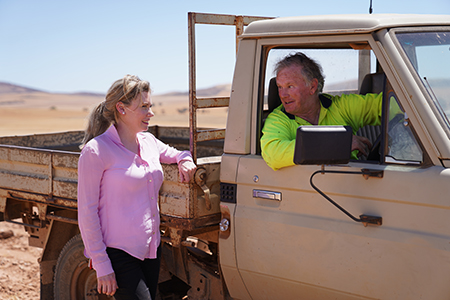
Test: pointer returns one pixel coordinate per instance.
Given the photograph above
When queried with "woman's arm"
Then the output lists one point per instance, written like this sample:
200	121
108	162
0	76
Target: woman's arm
90	172
170	155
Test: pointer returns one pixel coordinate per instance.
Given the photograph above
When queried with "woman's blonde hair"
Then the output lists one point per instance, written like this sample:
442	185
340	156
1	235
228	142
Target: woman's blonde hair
123	90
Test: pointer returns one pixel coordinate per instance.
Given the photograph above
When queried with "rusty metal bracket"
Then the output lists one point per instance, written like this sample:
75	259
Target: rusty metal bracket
200	180
176	236
24	224
62	219
366	173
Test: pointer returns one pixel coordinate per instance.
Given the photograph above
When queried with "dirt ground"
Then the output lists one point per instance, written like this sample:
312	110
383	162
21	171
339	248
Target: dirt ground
19	267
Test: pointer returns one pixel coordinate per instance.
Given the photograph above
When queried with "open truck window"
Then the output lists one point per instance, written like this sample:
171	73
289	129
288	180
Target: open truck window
340	67
352	70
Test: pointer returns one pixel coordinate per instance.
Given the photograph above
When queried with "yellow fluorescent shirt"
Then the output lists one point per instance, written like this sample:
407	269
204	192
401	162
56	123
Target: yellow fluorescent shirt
280	128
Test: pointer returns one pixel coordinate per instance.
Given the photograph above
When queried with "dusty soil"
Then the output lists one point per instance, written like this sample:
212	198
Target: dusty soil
19	267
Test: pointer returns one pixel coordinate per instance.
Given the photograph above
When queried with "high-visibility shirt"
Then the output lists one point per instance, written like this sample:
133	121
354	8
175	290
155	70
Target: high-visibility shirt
280	127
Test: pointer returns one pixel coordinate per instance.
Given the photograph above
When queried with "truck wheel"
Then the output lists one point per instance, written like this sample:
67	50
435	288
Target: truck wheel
73	278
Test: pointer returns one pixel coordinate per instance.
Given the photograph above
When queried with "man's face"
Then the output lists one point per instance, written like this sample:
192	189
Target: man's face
296	94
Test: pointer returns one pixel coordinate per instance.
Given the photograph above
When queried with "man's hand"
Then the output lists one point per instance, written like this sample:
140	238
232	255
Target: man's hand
362	144
107	284
187	170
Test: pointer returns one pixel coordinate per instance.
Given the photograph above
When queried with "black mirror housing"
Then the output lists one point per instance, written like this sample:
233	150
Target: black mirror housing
323	145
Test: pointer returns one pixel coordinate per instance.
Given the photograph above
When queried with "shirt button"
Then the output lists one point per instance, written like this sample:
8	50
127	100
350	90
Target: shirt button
149	180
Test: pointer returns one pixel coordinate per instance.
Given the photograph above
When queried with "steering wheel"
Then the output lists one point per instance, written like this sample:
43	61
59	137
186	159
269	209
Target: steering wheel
374	153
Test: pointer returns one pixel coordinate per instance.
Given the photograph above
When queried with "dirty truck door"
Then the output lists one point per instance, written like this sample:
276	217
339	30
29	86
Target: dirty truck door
291	242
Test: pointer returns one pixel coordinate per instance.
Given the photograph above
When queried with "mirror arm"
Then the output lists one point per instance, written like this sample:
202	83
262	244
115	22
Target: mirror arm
364	219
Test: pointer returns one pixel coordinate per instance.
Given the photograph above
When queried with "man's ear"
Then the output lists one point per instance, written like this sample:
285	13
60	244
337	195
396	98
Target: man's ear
313	86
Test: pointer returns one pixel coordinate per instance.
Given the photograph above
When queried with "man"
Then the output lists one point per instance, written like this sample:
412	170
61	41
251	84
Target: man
300	83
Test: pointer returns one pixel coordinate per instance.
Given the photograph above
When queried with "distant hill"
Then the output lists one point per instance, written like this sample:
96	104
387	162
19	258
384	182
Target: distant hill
8	88
88	94
215	91
31	111
12	95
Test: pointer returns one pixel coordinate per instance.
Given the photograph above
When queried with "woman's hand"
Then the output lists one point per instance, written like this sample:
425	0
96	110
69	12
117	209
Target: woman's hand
107	284
187	170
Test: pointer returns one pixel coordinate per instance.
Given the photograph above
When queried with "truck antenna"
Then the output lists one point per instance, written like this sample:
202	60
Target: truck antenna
370	8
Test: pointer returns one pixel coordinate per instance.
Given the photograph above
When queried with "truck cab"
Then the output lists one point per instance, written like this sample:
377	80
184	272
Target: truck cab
283	239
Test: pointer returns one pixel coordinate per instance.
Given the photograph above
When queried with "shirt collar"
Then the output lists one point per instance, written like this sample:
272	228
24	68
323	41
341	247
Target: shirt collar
325	101
112	133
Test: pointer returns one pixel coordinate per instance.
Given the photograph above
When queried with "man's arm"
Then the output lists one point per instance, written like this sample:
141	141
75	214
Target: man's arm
362	110
278	141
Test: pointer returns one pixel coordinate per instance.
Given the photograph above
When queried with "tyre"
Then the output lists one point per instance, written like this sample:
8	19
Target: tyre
73	278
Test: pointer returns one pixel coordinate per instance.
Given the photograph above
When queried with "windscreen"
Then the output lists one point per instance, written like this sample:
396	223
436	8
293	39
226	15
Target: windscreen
429	53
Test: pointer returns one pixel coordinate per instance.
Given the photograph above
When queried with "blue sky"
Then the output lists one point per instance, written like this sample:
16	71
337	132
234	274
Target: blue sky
85	45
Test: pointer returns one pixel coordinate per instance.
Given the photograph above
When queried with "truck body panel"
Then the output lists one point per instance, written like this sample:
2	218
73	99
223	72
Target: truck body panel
338	24
240	93
303	241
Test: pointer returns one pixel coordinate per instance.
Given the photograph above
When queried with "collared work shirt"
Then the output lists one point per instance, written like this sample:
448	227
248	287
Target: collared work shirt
280	128
118	196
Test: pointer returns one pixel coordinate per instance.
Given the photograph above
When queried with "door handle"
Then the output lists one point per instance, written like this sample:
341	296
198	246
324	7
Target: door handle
267	195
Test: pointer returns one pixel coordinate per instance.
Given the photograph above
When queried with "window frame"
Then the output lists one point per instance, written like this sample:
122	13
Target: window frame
337	42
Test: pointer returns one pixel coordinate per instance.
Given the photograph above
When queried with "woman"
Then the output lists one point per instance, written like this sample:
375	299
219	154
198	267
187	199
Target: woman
119	177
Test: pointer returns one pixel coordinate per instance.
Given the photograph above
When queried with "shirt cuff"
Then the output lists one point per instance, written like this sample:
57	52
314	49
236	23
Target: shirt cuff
103	268
184	155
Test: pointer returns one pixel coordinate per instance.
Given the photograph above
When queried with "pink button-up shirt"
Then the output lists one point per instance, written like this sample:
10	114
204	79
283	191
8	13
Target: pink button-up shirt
118	196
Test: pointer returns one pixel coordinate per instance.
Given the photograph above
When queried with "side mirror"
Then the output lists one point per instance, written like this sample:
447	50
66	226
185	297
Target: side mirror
323	145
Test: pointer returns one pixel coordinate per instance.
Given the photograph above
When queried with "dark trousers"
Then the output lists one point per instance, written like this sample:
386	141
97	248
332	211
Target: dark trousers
136	279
